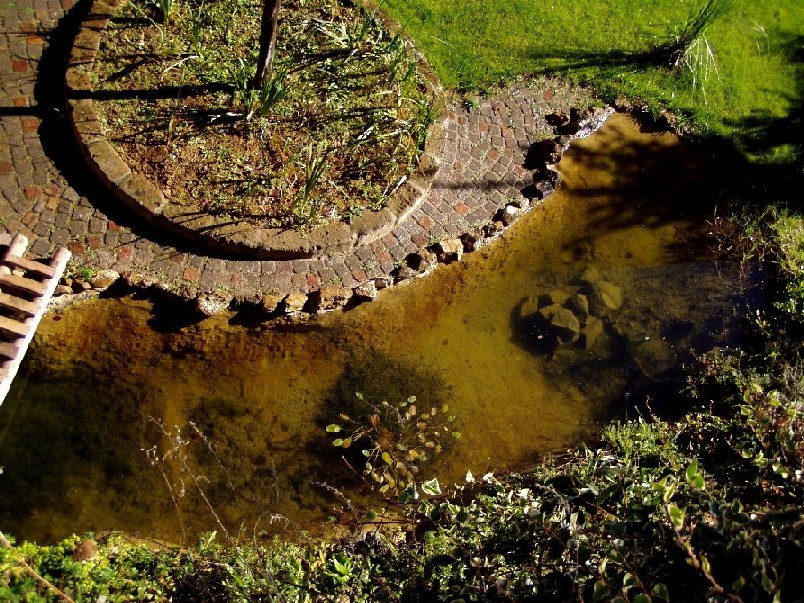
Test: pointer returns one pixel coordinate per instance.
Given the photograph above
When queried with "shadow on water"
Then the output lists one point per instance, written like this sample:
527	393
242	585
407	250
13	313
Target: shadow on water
242	406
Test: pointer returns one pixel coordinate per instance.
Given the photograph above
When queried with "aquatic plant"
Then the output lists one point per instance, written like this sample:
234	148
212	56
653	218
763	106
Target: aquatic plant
395	440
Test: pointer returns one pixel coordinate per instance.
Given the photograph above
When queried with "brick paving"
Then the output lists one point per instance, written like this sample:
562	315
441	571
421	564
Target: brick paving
48	196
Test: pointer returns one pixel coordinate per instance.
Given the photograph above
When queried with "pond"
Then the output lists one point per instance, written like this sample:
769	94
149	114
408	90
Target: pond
117	422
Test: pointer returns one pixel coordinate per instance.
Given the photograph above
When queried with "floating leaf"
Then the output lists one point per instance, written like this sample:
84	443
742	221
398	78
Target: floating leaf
387	458
338	443
346	443
366	453
641	598
411	400
445	408
345	418
333	428
456	435
431	487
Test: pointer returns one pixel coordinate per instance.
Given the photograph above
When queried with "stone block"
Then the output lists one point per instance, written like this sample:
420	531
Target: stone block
107	162
372	225
295	302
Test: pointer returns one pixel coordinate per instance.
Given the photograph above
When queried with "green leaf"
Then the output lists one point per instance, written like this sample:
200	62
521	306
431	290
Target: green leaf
408	495
660	592
641	598
629	581
333	428
456	435
346	443
676	515
694	476
431	487
338	442
387	458
601	591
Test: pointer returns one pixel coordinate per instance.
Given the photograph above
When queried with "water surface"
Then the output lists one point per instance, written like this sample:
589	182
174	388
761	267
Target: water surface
102	387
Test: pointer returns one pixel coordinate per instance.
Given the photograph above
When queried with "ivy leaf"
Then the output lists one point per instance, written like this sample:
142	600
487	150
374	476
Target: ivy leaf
694	476
408	495
676	515
431	487
601	591
660	592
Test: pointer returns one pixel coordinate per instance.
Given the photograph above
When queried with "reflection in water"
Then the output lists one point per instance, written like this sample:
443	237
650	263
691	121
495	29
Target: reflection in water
101	389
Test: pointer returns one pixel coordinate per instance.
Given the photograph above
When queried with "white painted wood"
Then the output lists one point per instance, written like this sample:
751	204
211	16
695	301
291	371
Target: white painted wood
12	261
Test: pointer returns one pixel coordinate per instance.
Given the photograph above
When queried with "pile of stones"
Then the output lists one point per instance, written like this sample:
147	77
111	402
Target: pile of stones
570	316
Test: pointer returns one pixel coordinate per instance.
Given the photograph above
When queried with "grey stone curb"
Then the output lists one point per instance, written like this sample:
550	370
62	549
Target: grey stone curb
218	233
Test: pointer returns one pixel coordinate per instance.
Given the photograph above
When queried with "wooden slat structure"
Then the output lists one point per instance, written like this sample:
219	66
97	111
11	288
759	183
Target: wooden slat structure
25	288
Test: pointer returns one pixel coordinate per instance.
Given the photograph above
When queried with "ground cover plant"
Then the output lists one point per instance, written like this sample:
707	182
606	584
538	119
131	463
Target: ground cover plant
332	132
748	49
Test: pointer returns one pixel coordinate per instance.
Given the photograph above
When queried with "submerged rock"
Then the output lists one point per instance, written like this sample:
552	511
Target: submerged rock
604	297
565	326
592	332
579	305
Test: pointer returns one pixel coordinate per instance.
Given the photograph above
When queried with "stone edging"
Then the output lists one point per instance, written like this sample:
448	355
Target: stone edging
541	159
217	233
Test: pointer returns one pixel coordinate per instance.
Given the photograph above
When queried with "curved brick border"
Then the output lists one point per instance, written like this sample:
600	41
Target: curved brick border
219	233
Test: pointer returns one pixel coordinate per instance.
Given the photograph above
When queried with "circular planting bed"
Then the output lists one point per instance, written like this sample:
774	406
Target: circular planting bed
326	153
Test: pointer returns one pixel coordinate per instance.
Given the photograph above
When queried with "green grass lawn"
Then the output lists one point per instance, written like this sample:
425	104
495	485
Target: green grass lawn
476	44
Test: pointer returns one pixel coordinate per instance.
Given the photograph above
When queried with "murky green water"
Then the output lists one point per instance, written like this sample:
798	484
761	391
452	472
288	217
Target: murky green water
100	382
